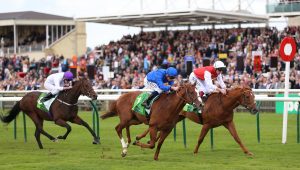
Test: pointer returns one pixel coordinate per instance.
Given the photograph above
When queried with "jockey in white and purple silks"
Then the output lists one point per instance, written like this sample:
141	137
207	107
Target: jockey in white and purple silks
155	80
56	83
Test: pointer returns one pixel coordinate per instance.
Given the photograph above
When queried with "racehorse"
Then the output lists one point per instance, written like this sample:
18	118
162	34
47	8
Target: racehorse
218	110
64	108
164	115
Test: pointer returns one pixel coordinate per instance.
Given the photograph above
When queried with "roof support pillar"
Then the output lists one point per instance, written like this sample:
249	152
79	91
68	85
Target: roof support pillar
52	35
47	36
15	38
56	32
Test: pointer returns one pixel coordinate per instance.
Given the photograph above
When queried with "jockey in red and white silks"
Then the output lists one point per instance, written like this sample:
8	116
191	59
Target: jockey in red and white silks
204	78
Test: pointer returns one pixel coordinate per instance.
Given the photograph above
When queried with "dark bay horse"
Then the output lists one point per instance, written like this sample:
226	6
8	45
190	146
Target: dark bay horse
64	108
218	110
164	115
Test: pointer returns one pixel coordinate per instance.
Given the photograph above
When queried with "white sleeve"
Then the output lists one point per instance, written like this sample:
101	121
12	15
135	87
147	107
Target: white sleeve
220	81
57	81
210	86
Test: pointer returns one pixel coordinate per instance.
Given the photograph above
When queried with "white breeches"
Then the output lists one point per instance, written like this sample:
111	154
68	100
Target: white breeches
152	86
201	85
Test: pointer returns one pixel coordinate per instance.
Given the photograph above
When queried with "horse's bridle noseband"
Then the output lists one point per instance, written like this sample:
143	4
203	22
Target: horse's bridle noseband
69	104
244	99
182	98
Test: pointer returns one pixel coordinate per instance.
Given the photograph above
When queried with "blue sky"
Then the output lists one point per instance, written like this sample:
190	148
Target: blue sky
98	34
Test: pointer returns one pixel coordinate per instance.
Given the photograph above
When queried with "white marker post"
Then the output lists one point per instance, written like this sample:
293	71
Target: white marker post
287	52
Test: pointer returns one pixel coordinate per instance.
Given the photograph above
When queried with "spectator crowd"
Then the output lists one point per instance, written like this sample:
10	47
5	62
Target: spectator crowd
251	56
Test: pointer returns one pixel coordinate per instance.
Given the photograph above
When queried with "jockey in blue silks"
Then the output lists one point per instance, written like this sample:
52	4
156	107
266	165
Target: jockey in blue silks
155	80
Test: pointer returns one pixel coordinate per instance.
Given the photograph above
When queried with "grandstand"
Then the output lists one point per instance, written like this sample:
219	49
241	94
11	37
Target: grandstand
37	34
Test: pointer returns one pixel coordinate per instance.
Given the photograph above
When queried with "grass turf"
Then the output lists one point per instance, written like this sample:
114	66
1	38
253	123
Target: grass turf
77	152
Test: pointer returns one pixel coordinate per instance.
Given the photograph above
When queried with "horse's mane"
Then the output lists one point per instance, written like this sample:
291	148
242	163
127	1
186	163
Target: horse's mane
239	87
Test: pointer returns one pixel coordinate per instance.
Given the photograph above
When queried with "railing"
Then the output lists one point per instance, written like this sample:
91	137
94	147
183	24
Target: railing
24	49
283	7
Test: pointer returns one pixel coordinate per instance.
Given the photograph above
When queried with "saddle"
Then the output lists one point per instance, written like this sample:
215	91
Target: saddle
45	106
139	108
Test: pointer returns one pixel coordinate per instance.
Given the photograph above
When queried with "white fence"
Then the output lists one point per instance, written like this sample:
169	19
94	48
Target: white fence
260	94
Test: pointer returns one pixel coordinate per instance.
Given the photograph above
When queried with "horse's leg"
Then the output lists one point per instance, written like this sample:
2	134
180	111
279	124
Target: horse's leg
119	129
37	135
231	128
153	138
162	137
47	134
79	121
203	133
63	123
39	129
128	136
142	135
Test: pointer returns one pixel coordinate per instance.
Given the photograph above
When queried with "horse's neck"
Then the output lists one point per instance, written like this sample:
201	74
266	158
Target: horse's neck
71	96
232	103
178	100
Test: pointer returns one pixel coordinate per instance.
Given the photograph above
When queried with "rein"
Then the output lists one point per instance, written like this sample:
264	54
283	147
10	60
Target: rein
182	98
68	104
244	99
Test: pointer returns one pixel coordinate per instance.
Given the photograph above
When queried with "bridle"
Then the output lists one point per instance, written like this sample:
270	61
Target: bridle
244	99
188	95
89	93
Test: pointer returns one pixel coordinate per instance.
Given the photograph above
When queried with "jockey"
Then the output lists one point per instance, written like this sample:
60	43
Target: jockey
56	83
155	81
203	77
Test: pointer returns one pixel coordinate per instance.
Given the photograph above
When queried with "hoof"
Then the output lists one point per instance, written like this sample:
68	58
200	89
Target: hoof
96	141
55	140
135	142
124	153
61	137
249	154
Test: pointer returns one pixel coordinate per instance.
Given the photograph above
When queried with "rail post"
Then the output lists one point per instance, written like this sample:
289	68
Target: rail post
258	104
95	119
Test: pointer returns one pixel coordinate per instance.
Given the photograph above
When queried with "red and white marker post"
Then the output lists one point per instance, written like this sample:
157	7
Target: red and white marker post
287	52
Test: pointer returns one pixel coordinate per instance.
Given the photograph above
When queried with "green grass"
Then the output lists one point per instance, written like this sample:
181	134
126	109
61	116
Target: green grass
77	152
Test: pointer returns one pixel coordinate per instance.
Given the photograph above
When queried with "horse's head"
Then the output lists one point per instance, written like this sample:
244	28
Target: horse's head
86	88
247	100
189	94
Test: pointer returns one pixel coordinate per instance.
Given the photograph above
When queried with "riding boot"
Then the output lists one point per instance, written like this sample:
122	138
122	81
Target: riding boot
146	103
47	97
204	98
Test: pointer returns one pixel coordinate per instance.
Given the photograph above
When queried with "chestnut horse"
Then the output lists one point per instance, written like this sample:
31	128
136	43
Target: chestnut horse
218	110
164	115
64	108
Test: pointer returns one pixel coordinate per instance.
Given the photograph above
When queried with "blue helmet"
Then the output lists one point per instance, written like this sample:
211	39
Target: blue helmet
171	71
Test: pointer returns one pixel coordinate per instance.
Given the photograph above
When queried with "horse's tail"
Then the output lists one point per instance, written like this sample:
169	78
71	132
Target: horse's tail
112	110
13	113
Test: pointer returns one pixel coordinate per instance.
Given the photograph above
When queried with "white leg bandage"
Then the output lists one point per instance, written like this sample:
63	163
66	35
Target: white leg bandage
123	143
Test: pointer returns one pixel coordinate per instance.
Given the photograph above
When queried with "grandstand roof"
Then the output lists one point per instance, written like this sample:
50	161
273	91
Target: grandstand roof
179	18
31	15
33	18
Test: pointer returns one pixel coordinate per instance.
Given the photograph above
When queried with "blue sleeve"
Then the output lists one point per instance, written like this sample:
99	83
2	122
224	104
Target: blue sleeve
171	83
162	86
158	78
